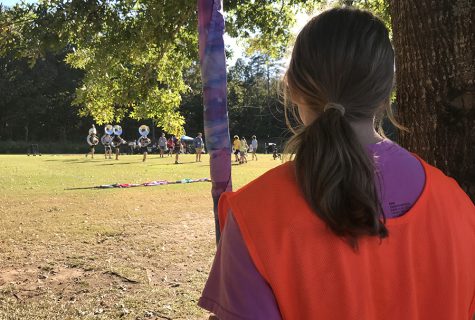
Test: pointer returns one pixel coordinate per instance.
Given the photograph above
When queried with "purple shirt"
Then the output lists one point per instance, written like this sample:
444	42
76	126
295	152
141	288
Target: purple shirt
401	177
236	290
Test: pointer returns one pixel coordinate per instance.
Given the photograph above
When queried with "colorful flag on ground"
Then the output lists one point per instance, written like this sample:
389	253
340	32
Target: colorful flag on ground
145	184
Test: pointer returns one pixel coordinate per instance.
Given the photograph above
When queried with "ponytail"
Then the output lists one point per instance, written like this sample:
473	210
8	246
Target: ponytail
341	72
337	177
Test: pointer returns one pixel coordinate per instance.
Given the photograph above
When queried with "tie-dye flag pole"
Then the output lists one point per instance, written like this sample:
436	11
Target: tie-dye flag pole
213	75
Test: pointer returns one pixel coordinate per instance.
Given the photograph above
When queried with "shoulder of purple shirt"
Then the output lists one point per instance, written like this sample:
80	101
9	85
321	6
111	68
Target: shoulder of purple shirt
233	273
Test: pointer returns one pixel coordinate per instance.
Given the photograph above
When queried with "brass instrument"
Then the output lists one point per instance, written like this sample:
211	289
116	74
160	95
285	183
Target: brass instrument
144	130
109	129
93	130
117	140
144	141
92	139
117	130
106	139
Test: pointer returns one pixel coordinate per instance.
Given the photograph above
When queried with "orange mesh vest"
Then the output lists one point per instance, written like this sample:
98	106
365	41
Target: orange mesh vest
424	270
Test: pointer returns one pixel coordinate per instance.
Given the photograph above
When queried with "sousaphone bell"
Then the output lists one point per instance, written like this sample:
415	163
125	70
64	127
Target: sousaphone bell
143	141
106	139
109	129
144	130
92	139
117	130
117	141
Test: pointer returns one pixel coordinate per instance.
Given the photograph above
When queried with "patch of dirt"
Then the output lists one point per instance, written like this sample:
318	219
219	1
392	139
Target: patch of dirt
156	268
29	275
28	282
66	274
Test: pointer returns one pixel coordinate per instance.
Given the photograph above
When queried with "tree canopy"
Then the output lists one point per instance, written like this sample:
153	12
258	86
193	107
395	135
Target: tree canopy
135	53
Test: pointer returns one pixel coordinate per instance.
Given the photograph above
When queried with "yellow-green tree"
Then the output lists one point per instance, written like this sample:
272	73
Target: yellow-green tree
134	53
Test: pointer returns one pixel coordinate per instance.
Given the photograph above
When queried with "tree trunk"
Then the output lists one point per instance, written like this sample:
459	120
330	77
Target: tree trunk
63	134
434	43
3	131
154	124
27	131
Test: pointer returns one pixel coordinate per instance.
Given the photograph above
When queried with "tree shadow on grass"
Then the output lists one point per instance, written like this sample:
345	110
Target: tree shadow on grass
75	161
63	160
115	163
173	163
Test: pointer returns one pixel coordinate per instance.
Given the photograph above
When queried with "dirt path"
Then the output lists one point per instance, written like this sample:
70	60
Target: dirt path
129	261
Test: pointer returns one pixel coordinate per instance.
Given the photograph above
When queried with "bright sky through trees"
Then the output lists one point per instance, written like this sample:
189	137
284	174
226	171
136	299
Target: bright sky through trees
10	3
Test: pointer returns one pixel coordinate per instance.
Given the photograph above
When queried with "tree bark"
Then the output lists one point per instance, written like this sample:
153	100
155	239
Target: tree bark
63	134
434	42
27	131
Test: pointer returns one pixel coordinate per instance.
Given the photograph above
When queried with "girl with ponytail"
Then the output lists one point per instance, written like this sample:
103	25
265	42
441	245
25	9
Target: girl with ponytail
355	226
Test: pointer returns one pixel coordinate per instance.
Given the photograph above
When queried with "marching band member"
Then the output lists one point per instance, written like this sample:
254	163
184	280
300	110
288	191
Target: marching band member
177	147
92	141
106	140
117	140
162	144
254	147
170	146
243	151
144	141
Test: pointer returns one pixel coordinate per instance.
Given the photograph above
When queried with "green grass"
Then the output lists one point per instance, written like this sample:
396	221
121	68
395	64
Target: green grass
106	254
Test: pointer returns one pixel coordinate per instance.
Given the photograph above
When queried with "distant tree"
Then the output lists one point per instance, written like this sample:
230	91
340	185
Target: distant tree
134	54
192	102
253	97
36	101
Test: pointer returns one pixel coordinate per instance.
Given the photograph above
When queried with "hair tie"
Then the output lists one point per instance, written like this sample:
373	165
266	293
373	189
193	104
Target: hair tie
333	105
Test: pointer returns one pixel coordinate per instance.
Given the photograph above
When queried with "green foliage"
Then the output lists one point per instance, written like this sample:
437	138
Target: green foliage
36	101
265	25
133	57
378	7
253	98
135	54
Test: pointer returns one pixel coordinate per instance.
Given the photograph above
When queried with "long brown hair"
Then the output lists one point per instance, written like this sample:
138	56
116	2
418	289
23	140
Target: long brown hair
342	56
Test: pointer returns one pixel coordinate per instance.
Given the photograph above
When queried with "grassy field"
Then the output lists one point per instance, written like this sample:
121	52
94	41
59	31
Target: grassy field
138	253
